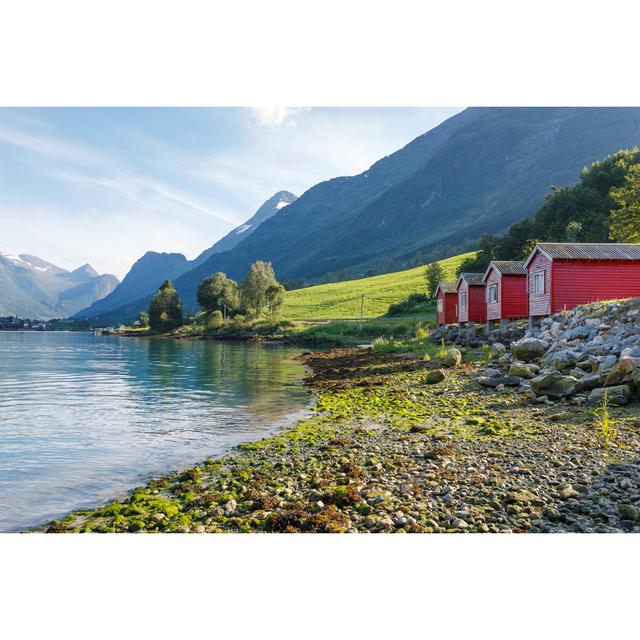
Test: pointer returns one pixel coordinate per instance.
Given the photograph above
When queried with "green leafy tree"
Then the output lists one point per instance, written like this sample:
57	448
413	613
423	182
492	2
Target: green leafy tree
143	319
434	274
165	311
572	231
625	220
275	299
253	292
218	292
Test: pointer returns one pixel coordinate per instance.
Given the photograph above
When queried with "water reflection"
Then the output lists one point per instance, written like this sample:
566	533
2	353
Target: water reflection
84	418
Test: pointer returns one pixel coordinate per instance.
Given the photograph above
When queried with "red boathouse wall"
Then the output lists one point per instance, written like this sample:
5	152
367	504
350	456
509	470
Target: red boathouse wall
476	309
576	282
448	314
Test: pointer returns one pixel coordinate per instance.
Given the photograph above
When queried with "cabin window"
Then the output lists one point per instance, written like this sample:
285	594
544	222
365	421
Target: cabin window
440	305
463	299
538	282
492	293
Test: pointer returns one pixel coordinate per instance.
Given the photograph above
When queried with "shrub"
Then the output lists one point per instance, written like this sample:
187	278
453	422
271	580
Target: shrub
412	303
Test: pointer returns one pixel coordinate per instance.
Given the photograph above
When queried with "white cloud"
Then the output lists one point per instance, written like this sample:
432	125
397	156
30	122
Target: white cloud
50	146
272	117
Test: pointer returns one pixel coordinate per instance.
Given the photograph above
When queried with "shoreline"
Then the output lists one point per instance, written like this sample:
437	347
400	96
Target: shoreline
386	451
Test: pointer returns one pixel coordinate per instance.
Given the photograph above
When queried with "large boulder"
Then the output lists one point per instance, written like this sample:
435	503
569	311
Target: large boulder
528	349
452	358
521	370
616	396
553	384
623	370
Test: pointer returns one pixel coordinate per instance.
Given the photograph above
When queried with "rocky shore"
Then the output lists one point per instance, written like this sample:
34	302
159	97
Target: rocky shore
403	444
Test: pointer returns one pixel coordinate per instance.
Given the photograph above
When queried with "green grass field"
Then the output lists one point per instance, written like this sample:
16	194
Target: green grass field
342	299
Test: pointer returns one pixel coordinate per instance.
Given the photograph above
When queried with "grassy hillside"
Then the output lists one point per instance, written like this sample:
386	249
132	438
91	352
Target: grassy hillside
342	299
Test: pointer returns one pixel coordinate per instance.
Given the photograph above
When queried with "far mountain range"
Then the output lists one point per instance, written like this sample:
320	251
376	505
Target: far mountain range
33	288
477	172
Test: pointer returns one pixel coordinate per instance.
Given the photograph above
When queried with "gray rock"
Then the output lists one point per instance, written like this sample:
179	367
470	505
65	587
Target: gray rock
553	384
496	381
616	396
521	370
562	360
528	349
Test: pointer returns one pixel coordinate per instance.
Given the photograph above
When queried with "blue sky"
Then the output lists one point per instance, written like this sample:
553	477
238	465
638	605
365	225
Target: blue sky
105	185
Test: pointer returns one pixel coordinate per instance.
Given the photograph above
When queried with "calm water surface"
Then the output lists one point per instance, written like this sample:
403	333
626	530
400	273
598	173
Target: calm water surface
86	418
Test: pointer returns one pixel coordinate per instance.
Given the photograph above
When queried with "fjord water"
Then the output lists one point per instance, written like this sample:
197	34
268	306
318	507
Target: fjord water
85	418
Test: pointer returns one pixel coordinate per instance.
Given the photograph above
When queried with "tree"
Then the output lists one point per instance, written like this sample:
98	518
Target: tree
217	292
253	292
143	319
165	311
275	299
434	274
625	220
572	231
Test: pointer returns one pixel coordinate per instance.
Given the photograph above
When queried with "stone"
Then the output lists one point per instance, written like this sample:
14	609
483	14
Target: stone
619	372
522	496
629	512
491	372
562	360
498	347
553	384
528	349
616	396
434	376
568	492
521	370
158	516
452	358
200	529
507	381
583	332
230	507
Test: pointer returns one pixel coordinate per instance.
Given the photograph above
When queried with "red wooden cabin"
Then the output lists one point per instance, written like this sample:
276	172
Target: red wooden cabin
446	303
563	275
505	284
471	303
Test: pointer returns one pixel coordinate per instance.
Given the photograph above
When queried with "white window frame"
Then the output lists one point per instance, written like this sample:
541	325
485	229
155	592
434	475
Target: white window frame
463	299
492	289
538	283
440	305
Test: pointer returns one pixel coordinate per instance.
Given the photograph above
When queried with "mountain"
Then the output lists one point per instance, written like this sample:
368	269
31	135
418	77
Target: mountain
266	211
33	288
150	271
477	172
144	277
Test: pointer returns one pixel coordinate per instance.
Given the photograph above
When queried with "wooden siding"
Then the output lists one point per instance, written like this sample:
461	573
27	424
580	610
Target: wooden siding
463	312
494	309
577	282
476	309
514	300
539	303
448	314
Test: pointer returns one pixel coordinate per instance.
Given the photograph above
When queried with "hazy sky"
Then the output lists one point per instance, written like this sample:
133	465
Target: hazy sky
105	185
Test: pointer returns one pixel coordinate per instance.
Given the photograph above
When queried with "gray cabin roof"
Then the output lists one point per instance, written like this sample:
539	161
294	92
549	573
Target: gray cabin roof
506	268
472	279
446	287
587	251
